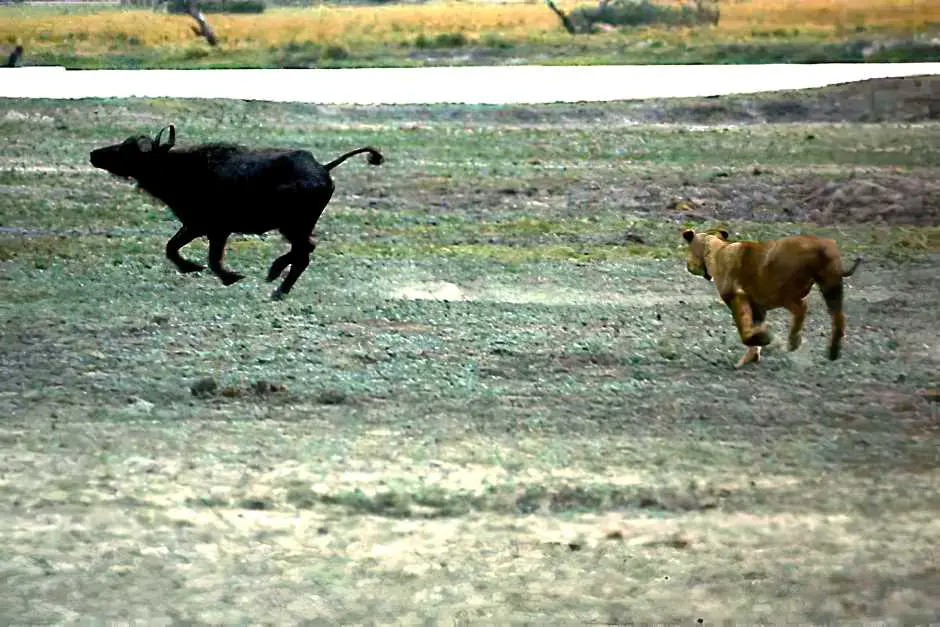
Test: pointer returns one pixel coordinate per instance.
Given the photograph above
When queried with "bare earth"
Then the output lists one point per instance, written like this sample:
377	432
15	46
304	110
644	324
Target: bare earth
496	396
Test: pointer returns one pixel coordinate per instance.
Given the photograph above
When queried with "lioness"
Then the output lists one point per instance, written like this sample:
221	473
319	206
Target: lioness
754	277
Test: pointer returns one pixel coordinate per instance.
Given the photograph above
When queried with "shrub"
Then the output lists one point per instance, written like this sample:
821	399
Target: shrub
219	6
491	40
443	40
336	53
642	12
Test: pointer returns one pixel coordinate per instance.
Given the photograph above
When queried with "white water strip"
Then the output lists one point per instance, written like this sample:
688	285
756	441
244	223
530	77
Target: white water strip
523	84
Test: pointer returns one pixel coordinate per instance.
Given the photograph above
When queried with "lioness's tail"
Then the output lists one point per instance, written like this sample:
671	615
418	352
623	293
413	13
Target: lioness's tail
851	270
375	157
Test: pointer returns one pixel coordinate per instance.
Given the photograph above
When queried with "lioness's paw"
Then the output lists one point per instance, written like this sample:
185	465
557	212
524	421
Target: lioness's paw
834	352
795	342
751	356
761	338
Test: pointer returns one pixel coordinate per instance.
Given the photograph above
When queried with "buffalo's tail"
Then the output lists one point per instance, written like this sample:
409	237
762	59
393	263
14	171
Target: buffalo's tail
375	157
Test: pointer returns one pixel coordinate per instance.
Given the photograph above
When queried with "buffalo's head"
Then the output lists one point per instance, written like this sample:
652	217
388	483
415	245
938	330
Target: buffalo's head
133	156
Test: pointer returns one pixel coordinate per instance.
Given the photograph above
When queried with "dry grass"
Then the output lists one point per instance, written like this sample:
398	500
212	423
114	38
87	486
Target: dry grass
398	24
903	15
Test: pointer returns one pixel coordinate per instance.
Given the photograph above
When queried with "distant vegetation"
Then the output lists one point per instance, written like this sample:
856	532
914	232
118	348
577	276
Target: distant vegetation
220	6
260	33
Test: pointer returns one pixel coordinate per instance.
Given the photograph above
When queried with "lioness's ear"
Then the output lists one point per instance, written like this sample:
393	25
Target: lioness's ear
723	233
688	235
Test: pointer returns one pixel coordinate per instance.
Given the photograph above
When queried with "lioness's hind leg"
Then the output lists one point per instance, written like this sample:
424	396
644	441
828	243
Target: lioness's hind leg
798	310
833	295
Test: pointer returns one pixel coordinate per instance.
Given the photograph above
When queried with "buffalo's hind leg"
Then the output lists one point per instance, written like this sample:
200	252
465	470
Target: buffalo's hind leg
216	251
280	264
298	257
278	267
182	237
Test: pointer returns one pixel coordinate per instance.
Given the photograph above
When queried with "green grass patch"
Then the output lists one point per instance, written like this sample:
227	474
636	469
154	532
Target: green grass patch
496	395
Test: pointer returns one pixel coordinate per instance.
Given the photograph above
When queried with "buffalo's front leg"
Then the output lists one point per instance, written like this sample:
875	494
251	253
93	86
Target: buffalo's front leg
216	250
182	237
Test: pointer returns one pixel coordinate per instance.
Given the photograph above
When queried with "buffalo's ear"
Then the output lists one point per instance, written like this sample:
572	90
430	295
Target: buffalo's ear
688	235
723	233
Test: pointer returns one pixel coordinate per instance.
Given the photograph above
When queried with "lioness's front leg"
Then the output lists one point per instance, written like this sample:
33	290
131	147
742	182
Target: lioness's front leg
798	309
752	355
751	327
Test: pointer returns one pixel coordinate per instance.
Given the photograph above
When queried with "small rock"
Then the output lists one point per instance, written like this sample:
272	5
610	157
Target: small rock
205	386
678	541
331	397
266	387
139	405
258	504
682	204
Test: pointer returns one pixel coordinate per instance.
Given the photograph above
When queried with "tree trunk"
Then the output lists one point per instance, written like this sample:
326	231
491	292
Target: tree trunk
14	59
564	18
204	30
706	13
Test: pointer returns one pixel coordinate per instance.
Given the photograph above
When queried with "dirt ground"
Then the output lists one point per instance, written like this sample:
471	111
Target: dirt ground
496	396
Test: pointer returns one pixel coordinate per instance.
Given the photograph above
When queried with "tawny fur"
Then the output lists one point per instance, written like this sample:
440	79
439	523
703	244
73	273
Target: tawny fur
754	277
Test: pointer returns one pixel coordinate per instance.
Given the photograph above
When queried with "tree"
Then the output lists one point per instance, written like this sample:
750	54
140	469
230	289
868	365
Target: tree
610	13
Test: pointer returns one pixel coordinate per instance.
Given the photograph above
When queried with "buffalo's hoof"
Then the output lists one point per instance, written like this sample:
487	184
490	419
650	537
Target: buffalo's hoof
233	277
795	342
273	274
278	294
190	267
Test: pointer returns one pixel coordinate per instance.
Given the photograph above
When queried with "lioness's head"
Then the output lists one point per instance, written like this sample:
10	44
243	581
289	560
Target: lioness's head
698	246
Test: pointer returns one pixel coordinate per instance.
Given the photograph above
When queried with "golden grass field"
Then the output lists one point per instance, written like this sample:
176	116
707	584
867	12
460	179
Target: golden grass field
399	25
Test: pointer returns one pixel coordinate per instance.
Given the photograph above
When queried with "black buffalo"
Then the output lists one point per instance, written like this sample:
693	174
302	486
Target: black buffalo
218	189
